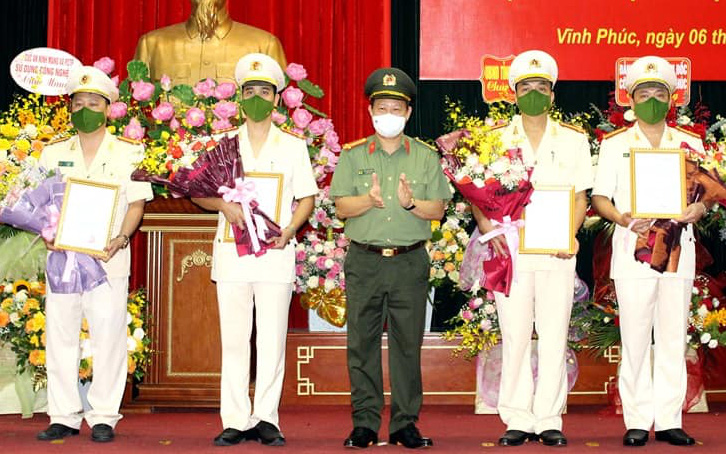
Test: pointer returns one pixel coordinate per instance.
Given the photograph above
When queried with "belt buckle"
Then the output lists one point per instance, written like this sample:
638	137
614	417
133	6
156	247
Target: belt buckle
388	252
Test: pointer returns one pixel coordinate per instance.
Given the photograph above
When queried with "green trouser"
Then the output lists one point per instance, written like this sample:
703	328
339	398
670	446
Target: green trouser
378	290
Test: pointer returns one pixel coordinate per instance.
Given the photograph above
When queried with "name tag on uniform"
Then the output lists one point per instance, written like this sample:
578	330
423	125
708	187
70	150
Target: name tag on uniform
626	154
65	163
366	171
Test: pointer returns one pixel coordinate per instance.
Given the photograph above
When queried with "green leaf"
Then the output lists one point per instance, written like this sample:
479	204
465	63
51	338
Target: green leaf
314	110
436	235
310	88
123	89
137	70
184	93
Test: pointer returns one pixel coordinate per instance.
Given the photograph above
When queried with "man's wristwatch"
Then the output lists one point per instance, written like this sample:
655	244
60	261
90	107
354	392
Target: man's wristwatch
412	206
125	239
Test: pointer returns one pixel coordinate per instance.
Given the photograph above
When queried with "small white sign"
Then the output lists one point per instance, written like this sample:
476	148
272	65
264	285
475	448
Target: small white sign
43	70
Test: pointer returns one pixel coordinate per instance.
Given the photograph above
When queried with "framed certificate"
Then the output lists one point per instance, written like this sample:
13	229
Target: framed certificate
269	197
87	216
549	221
657	182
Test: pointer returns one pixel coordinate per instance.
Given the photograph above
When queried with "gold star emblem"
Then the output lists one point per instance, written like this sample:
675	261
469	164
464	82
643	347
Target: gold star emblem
389	80
255	66
534	63
85	79
651	68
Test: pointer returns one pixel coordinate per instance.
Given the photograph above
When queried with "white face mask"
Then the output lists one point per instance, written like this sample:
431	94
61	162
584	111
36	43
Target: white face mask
389	125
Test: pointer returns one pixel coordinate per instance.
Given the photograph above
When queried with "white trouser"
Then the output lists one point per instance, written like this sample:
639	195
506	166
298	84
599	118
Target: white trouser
545	299
271	302
105	310
653	393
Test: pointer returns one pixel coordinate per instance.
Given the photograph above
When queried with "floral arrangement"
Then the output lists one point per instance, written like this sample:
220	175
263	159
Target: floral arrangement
707	319
22	325
446	247
476	326
323	216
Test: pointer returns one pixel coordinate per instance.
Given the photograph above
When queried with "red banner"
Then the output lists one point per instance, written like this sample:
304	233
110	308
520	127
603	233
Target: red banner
495	79
585	37
681	65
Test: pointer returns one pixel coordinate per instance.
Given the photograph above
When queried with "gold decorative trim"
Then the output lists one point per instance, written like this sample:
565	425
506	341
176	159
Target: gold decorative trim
170	316
613	354
196	258
172	216
177	229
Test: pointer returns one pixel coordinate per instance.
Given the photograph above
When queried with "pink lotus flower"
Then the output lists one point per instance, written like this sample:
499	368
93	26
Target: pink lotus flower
292	97
163	112
298	131
115	80
332	140
142	91
320	126
296	72
278	118
134	130
165	82
204	89
105	64
219	125
174	124
301	118
117	110
225	109
225	90
195	117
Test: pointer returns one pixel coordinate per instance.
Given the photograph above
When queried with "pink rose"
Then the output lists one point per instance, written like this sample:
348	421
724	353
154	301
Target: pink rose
195	117
142	91
335	268
467	315
330	158
278	118
134	130
163	112
320	126
320	262
331	275
225	90
115	80
331	141
204	89
300	256
292	97
174	124
105	64
117	110
341	242
299	270
165	82
296	72
301	118
460	207
475	303
320	215
219	125
486	324
298	131
225	109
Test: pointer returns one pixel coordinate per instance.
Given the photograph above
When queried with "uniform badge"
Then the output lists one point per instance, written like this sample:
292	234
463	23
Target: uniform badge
389	80
255	66
534	63
85	79
626	154
65	163
651	68
366	171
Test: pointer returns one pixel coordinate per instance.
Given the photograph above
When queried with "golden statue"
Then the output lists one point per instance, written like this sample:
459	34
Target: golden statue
208	44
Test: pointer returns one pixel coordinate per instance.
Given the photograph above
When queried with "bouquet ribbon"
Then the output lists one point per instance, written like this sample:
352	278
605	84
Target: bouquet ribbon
245	193
510	230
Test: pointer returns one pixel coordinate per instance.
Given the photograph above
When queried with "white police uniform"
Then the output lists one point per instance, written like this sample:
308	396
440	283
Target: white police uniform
105	306
264	283
543	289
647	300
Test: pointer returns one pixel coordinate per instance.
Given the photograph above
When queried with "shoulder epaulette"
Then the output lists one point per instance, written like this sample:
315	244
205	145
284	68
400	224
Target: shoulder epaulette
58	140
294	134
225	130
614	133
127	140
354	144
690	133
426	144
573	127
499	126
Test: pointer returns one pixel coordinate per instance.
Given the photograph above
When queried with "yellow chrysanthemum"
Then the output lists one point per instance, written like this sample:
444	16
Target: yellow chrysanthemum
20	284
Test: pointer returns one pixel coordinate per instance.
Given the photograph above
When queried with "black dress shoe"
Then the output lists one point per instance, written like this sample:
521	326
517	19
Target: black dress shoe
677	437
409	437
269	434
102	433
56	432
516	438
230	437
635	437
361	437
553	438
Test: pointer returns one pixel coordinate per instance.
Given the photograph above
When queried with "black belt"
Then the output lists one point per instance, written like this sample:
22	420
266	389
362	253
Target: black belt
390	251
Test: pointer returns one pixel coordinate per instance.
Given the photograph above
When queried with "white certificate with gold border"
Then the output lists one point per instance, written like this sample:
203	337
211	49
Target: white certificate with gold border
87	216
549	221
269	197
657	183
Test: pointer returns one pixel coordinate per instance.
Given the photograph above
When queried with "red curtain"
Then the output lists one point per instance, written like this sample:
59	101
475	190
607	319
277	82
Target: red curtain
338	41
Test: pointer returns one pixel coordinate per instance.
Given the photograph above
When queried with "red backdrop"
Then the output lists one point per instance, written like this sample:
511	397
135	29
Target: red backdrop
338	42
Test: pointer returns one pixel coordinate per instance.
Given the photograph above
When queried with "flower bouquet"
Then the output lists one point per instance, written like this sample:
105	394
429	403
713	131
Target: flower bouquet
498	183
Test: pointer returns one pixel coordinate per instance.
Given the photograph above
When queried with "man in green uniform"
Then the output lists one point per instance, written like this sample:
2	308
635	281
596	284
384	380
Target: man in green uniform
389	187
